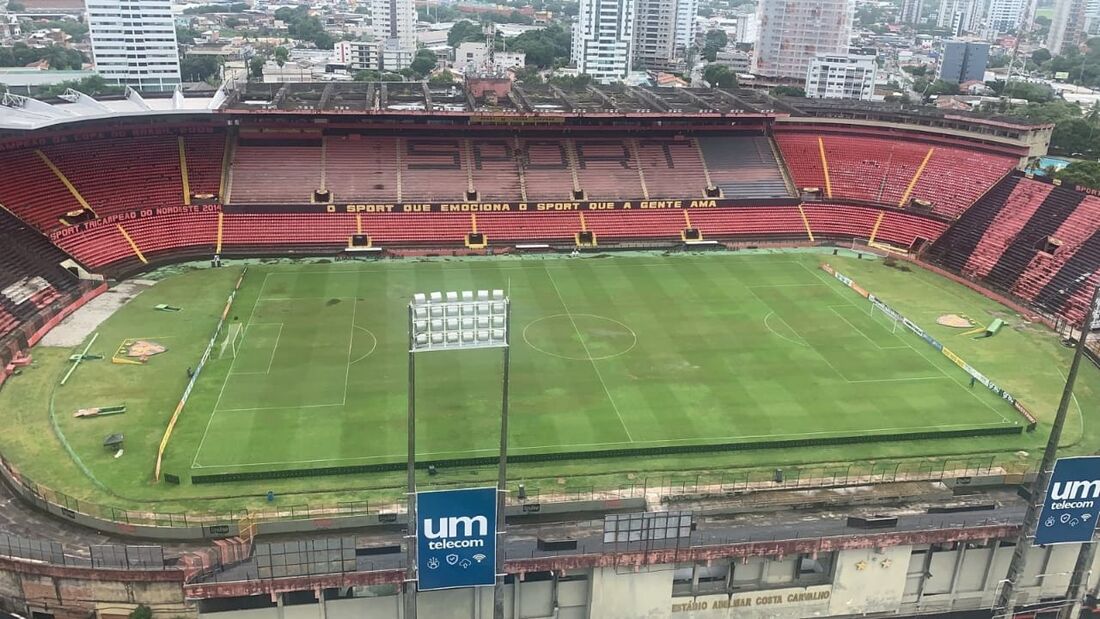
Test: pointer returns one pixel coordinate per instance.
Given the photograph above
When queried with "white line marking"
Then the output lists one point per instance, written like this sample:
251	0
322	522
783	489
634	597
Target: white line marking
860	331
567	357
925	357
589	355
351	342
278	408
229	372
780	335
372	348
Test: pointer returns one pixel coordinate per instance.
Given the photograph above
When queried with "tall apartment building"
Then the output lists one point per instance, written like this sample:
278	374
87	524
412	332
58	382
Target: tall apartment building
911	11
134	43
792	32
603	38
963	61
841	76
1092	18
959	16
664	31
394	25
1004	16
1067	26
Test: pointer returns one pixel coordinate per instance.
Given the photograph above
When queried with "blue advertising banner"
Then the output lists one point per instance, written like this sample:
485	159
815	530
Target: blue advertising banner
1072	502
456	538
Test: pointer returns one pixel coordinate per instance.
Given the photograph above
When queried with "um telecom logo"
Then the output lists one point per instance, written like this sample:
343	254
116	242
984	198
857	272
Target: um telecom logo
452	532
1074	494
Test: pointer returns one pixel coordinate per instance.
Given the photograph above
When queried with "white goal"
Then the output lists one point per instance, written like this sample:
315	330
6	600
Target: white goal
231	344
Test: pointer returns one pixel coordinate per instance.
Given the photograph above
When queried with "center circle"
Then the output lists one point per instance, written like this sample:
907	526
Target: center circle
580	337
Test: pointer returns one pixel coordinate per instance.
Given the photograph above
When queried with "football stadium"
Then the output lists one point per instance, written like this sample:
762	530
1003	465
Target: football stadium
711	353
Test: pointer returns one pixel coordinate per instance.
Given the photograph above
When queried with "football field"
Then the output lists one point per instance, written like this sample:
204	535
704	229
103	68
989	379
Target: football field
607	354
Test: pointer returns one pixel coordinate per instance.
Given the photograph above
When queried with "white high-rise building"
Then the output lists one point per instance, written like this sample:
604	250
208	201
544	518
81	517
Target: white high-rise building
603	38
959	16
911	11
1092	18
394	25
1004	16
841	76
134	43
664	31
792	32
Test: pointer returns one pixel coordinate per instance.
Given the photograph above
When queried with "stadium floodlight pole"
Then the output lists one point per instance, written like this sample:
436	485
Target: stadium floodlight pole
1005	606
410	534
459	321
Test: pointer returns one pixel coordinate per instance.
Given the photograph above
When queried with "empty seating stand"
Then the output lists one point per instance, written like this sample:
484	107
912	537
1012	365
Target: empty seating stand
744	167
893	171
205	154
33	284
276	170
672	168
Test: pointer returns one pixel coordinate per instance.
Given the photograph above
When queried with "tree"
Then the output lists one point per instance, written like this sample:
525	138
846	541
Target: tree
92	85
464	31
1085	173
256	67
787	91
1040	56
199	68
423	63
16	7
141	612
443	78
367	75
282	54
715	41
303	26
546	48
71	27
231	22
719	76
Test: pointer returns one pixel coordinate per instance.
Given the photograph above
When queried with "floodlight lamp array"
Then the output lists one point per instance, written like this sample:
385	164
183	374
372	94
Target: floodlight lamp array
458	320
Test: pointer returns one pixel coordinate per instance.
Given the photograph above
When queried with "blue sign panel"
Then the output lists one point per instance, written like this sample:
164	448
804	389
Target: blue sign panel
1072	503
456	538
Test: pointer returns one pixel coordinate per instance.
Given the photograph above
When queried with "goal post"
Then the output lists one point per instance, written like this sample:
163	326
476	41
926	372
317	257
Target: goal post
231	343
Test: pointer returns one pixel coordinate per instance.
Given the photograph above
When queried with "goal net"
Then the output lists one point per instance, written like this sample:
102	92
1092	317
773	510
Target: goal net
231	343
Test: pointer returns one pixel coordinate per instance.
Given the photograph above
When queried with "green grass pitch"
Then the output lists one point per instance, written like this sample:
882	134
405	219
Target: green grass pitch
607	353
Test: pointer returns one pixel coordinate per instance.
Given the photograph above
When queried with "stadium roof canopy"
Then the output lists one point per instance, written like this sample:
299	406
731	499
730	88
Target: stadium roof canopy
24	113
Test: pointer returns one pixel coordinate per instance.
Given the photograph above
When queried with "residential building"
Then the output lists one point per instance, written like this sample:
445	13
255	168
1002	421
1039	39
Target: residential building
1067	26
357	55
394	25
1092	18
792	32
748	26
963	61
473	56
664	31
602	39
134	43
842	76
1004	16
737	60
911	11
959	16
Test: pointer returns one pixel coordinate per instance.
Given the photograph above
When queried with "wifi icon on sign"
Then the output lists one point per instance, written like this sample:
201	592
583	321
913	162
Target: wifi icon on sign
479	558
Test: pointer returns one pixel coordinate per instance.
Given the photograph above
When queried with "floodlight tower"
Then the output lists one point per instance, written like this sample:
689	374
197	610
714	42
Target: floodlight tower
1005	603
457	321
